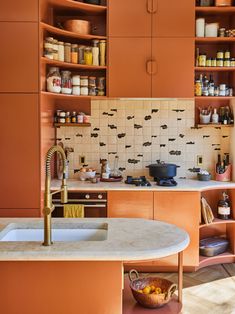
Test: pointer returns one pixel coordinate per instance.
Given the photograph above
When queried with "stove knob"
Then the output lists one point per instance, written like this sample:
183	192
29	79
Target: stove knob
87	196
100	196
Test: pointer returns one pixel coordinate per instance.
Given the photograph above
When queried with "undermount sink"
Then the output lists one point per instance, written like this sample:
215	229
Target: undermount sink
61	235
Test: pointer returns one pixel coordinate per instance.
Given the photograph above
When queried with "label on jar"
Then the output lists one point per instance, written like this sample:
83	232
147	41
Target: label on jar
224	210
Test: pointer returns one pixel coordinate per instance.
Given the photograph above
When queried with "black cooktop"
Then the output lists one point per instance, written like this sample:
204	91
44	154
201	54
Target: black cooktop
140	181
166	182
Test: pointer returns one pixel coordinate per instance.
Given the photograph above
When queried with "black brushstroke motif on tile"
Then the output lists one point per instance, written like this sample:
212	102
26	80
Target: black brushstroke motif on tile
140	155
178	110
121	135
96	129
138	126
79	135
67	138
102	144
181	135
94	134
59	139
112	126
130	117
147	144
154	136
105	113
146	118
133	161
114	110
172	139
225	136
217	149
206	136
190	143
162	145
122	169
155	110
112	153
164	126
215	145
175	152
128	146
179	119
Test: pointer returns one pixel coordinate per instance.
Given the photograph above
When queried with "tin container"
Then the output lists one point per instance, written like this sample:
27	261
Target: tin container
213	246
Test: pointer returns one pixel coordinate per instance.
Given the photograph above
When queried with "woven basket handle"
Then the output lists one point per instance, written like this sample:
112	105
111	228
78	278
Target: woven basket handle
171	291
135	273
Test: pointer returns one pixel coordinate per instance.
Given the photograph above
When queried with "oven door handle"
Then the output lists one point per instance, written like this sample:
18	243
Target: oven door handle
76	200
85	205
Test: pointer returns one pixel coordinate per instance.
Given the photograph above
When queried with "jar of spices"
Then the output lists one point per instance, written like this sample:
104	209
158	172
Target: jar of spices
84	81
68	117
80	117
214	62
227	54
67	52
66	82
232	62
55	49
86	119
76	80
102	46
48	48
61	120
95	52
209	62
222	32
101	86
84	90
54	80
220	55
219	62
88	55
61	51
198	88
202	60
74	53
92	81
74	117
81	59
227	63
76	90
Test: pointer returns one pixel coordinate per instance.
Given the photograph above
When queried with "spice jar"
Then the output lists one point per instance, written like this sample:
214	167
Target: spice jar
202	60
84	81
67	52
80	117
92	81
67	117
54	80
214	62
88	55
209	62
222	32
220	55
66	82
198	88
102	46
55	49
227	63
61	51
101	86
227	54
48	48
81	54
219	62
84	90
74	117
95	52
232	62
74	53
76	80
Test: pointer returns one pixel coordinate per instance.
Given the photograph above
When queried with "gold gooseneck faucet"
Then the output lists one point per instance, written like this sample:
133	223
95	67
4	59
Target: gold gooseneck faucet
48	205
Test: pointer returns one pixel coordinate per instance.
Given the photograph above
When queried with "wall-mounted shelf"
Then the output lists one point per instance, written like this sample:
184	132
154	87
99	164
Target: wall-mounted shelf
58	125
214	69
217	221
210	125
216	10
62	32
64	96
208	40
80	6
71	65
226	257
210	98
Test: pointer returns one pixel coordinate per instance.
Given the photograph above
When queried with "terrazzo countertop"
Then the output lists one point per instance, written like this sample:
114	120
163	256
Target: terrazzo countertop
183	185
127	240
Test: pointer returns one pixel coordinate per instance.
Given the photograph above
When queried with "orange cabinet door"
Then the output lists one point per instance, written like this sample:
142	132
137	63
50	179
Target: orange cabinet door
128	204
173	18
129	18
173	75
19	57
183	210
128	59
19	158
20	10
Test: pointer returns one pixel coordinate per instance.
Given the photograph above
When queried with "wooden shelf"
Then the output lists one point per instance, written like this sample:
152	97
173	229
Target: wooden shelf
71	65
205	40
214	69
80	6
58	125
210	125
64	96
218	221
226	257
206	98
62	32
216	10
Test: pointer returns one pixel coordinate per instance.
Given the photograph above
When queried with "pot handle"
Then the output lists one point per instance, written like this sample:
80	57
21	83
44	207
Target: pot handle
171	291
135	273
177	166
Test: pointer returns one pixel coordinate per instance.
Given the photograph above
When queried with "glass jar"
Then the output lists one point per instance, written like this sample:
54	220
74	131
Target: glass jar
227	54
208	62
227	63
92	81
101	86
84	90
66	82
202	60
84	81
54	80
76	80
55	50
220	55
92	91
80	117
61	51
95	52
74	117
48	48
68	117
219	62
214	62
67	52
232	62
102	46
81	54
74	53
88	55
76	90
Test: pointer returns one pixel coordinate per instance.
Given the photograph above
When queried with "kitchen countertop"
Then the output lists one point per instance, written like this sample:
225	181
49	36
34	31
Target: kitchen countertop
183	185
128	240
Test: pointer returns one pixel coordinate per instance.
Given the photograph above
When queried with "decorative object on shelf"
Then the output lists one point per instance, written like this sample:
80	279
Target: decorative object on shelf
224	207
215	117
211	29
213	246
151	292
206	212
54	80
223	3
82	27
200	27
205	115
223	169
67	118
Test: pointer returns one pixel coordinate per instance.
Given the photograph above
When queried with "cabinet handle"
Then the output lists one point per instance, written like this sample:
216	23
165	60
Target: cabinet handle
151	67
154	6
149	6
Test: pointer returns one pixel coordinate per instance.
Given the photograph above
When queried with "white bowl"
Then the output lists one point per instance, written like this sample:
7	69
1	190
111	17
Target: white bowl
86	175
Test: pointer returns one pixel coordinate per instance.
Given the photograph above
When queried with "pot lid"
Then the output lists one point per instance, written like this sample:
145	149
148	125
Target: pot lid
160	165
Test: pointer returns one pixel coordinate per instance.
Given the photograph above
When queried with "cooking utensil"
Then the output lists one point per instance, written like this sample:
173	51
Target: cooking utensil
151	300
162	170
78	26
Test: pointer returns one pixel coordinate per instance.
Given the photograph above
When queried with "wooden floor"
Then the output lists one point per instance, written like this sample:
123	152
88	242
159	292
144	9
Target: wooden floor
210	290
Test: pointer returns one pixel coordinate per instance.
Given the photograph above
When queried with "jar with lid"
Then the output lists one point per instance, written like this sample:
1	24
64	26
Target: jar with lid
67	52
101	86
76	90
219	62
76	80
209	62
84	81
61	51
198	88
74	53
202	60
68	117
224	207
227	54
54	80
84	91
92	81
81	59
48	48
232	62
220	55
95	52
74	117
222	32
55	49
88	55
214	62
102	46
227	63
80	117
66	82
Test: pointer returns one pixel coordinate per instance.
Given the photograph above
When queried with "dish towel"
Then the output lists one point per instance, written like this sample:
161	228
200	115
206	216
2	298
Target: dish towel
73	211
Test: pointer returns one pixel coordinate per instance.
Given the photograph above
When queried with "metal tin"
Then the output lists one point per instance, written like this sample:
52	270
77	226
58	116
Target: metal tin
213	246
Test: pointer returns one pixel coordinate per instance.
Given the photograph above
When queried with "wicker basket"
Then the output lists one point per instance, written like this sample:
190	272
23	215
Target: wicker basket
151	300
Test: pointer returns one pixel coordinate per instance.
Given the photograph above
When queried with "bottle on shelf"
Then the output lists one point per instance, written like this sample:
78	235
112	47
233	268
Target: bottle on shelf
224	207
219	165
215	117
211	86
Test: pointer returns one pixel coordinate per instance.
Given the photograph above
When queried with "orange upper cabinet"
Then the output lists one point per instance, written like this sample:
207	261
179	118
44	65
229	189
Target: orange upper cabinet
19	159
173	18
173	67
19	57
130	18
20	10
128	61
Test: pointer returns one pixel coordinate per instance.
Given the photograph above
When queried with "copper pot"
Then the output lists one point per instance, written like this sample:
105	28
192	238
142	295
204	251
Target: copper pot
78	26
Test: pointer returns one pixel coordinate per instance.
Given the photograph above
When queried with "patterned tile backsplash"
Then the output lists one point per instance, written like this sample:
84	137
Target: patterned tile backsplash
141	132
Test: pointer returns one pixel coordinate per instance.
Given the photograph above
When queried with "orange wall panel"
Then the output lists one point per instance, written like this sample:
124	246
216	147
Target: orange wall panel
20	10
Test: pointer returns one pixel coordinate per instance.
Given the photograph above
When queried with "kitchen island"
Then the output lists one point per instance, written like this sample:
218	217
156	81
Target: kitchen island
84	276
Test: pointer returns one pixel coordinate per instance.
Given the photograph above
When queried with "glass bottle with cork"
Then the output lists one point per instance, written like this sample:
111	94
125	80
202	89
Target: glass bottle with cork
224	207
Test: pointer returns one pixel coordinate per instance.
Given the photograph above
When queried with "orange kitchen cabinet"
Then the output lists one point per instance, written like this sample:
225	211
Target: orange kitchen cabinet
173	18
183	210
128	204
19	57
129	18
20	10
173	62
20	146
128	59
